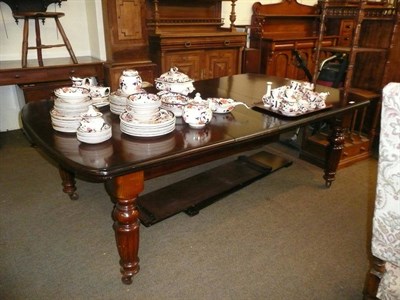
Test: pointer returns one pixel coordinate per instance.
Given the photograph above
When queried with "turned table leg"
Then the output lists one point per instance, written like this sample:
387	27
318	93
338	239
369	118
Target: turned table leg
336	142
68	183
124	191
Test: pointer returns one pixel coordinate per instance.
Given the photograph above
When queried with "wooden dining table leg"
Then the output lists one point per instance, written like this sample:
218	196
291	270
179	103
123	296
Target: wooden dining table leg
334	152
124	191
68	183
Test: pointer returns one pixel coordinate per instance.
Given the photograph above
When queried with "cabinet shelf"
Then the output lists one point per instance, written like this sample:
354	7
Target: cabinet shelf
338	49
287	16
185	22
364	94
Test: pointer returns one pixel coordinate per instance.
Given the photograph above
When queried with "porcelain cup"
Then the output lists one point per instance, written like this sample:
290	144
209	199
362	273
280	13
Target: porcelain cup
99	91
85	82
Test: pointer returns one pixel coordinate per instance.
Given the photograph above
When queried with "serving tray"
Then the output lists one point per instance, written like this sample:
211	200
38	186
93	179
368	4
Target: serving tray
260	106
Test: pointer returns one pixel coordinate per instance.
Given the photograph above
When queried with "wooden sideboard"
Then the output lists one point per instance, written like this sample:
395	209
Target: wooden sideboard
279	29
188	35
39	82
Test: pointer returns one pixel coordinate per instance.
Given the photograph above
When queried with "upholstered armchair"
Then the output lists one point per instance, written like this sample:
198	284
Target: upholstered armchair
384	278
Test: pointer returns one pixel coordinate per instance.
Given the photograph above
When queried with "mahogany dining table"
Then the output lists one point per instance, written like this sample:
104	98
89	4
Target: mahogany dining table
124	162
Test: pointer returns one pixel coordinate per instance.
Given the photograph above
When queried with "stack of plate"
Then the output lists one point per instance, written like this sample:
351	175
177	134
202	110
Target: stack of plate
162	123
71	109
70	103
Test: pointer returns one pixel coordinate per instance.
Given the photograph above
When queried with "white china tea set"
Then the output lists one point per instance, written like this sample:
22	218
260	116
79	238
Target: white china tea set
294	99
143	114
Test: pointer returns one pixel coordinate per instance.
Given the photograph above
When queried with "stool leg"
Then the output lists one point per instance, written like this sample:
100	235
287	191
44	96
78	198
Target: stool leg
66	41
25	43
38	42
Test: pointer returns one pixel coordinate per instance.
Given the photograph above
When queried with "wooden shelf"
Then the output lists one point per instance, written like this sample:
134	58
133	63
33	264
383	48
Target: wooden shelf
338	49
367	37
207	187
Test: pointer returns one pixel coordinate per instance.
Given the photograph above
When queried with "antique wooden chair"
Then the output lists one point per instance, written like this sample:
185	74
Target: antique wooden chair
36	10
383	281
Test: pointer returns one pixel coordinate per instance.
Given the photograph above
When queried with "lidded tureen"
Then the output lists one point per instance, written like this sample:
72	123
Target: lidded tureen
175	82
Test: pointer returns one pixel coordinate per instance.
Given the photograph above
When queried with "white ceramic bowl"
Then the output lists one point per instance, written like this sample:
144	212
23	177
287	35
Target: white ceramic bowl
143	101
72	93
174	102
94	137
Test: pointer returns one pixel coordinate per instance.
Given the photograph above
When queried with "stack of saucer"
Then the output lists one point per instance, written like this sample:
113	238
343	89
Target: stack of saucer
143	117
118	102
69	104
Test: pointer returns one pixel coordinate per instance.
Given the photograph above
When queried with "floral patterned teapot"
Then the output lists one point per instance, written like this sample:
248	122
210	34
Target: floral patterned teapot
197	113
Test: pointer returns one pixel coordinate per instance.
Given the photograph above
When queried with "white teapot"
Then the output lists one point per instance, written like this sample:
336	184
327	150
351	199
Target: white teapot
197	113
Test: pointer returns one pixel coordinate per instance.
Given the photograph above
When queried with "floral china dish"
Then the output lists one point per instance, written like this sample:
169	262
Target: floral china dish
92	120
197	113
92	127
72	93
173	102
143	103
223	105
175	81
130	82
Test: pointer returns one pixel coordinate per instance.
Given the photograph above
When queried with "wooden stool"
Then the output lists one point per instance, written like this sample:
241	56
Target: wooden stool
37	16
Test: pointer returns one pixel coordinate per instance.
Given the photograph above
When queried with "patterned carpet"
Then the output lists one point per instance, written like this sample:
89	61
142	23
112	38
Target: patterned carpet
283	237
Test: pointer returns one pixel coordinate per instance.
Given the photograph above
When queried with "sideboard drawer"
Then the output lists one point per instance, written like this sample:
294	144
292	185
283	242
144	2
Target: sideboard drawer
181	43
20	76
11	73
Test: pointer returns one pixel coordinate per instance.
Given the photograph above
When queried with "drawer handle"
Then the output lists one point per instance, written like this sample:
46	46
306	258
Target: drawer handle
72	71
348	26
188	44
226	42
17	76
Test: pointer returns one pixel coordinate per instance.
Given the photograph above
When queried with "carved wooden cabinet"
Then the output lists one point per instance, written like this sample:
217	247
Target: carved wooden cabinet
126	40
188	35
281	28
